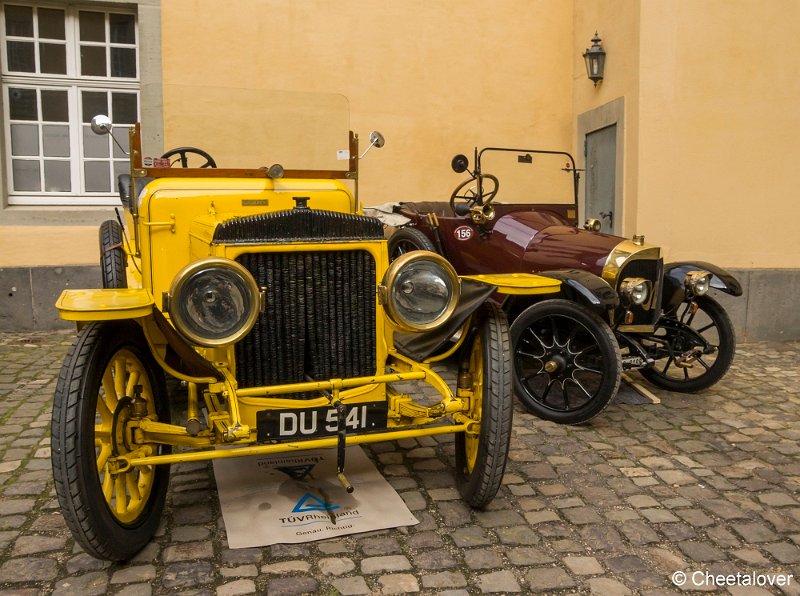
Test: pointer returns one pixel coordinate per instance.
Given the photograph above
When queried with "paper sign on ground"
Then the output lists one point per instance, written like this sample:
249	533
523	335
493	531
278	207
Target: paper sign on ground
296	497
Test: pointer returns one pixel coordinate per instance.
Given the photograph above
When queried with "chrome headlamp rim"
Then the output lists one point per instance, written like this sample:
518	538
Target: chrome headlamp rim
697	283
636	290
390	278
187	273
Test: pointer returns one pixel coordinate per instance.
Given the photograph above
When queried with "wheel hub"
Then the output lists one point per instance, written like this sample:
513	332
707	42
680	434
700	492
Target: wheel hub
556	363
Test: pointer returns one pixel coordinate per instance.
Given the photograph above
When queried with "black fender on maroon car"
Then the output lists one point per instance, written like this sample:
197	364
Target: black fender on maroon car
579	286
675	273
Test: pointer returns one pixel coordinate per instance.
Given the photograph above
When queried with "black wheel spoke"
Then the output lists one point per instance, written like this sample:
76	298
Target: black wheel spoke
669	361
706	328
703	364
582	388
566	397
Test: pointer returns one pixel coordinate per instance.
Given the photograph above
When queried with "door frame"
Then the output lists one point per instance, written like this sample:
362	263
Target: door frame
606	115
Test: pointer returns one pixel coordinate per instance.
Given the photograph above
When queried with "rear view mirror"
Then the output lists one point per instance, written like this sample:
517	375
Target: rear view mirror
101	124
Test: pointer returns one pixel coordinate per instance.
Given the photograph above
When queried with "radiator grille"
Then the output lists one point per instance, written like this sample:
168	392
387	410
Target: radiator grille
319	319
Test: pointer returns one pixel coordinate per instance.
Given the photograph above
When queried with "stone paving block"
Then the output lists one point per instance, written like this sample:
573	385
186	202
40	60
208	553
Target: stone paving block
542	579
613	507
499	581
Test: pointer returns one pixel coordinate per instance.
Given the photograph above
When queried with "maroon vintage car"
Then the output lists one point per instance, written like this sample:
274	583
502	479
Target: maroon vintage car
621	307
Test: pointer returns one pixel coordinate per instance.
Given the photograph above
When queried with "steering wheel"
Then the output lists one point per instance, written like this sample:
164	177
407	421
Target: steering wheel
183	153
470	196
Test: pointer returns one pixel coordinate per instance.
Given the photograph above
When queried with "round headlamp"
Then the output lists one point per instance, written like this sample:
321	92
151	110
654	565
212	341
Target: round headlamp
697	282
214	302
635	290
420	291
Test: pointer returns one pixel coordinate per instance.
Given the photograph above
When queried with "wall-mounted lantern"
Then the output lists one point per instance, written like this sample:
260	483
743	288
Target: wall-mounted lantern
595	60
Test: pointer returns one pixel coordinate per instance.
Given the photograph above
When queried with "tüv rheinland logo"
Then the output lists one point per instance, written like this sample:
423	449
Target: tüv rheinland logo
309	502
312	515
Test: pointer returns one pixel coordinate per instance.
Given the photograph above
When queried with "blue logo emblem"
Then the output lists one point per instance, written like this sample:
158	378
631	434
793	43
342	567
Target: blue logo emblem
309	502
297	472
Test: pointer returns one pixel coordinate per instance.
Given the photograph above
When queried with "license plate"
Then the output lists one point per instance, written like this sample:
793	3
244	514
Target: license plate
306	423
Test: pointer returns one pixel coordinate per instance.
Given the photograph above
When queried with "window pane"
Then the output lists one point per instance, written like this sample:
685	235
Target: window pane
93	26
53	58
24	139
26	175
54	106
94	103
123	108
20	56
55	139
123	62
97	176
19	20
22	104
56	176
121	28
121	167
94	145
93	61
51	23
124	141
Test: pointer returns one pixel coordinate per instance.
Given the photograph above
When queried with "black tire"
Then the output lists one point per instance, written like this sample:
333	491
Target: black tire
114	524
112	256
407	239
669	343
567	362
481	460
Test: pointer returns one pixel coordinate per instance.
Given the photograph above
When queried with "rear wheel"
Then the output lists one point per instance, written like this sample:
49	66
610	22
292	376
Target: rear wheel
693	346
481	453
108	378
112	257
407	239
567	363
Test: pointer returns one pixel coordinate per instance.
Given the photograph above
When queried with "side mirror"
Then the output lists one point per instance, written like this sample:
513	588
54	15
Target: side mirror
101	125
460	163
375	140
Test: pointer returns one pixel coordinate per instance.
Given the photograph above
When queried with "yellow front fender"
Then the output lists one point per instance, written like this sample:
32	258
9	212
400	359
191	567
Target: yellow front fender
104	305
518	283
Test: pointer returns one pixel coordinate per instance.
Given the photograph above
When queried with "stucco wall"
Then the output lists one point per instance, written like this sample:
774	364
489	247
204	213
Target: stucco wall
435	77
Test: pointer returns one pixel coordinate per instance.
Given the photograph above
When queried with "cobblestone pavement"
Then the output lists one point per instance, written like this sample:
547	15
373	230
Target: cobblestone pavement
694	483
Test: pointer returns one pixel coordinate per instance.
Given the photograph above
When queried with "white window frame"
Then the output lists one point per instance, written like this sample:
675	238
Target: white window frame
75	84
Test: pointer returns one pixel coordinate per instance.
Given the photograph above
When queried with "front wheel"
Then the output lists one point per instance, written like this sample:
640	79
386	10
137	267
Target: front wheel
693	346
109	378
481	452
567	363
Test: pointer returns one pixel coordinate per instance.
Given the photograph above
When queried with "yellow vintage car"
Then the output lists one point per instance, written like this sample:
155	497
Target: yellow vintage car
270	296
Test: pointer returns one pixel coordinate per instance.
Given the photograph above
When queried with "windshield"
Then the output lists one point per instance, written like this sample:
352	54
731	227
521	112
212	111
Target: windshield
530	177
255	128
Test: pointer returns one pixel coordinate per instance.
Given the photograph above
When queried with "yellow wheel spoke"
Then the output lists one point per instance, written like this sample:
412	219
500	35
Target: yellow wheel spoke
133	490
102	457
119	376
133	380
120	496
109	389
108	487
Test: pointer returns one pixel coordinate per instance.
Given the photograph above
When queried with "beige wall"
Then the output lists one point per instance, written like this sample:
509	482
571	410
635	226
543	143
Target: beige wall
711	120
435	77
719	128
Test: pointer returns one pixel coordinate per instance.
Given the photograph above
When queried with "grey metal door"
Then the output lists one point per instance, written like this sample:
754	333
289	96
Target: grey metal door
601	164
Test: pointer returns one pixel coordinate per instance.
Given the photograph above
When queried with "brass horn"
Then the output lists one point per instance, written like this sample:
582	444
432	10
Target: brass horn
480	214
